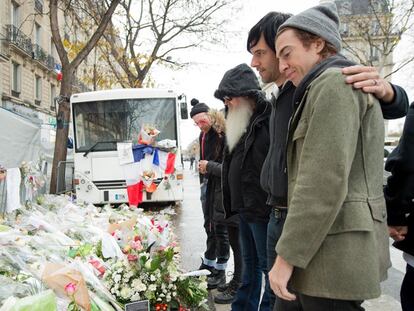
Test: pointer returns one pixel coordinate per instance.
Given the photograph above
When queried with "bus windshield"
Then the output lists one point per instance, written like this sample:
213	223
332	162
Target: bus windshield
121	120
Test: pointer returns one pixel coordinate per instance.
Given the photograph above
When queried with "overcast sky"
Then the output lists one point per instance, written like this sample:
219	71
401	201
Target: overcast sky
201	79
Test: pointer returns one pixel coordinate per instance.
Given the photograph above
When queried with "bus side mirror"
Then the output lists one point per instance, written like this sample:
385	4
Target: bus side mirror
183	106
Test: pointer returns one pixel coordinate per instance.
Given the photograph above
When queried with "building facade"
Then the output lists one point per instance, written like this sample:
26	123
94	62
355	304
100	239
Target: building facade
367	33
28	58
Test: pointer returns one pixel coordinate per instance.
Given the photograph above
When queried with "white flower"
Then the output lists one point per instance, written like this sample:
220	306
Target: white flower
152	277
152	287
135	297
168	297
125	292
117	278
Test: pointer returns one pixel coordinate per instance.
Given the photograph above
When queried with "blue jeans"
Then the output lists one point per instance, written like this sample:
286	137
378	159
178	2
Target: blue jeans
274	231
253	246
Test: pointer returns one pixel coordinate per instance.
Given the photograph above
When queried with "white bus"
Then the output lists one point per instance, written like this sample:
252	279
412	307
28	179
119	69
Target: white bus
101	120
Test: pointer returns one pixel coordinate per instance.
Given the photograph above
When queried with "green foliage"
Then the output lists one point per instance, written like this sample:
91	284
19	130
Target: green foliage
81	251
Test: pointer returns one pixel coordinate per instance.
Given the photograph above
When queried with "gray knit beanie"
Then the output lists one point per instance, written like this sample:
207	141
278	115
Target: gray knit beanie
197	107
321	20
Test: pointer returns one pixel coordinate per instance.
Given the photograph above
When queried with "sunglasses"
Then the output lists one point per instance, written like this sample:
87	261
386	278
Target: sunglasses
227	98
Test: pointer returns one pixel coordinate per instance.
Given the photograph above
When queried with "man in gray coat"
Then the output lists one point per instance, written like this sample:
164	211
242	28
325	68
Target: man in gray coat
335	148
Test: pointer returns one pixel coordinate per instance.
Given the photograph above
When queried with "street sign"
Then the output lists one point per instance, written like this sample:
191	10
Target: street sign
142	305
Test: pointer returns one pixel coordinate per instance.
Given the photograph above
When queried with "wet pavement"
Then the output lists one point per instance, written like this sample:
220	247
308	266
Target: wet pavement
191	236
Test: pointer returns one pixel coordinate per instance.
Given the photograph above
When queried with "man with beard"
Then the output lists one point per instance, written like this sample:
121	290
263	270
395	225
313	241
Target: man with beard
261	44
335	147
247	136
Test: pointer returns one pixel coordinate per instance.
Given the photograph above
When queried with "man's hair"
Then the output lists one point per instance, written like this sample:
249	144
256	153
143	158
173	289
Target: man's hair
308	38
268	26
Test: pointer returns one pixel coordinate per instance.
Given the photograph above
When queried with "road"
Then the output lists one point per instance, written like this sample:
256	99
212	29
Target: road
191	236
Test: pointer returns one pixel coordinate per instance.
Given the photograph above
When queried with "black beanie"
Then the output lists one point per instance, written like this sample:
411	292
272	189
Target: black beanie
238	81
197	107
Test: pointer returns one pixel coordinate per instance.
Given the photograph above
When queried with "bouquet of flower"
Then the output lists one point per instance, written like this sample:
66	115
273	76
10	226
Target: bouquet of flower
32	177
150	270
147	134
147	178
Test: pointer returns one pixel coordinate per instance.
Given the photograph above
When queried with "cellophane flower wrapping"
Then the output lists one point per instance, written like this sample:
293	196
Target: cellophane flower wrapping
141	258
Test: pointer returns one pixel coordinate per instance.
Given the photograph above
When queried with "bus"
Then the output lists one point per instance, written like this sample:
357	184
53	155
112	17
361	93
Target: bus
103	119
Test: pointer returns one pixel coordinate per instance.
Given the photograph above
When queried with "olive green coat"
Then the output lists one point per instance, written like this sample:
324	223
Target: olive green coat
335	233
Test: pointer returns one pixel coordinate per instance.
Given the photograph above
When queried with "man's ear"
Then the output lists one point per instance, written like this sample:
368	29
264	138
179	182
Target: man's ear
319	45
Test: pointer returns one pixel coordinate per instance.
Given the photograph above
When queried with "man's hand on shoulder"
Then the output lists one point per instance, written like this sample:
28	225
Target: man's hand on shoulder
368	79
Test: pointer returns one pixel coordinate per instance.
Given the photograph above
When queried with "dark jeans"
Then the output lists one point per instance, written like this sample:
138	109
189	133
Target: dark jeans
309	303
274	231
218	249
237	255
407	290
253	245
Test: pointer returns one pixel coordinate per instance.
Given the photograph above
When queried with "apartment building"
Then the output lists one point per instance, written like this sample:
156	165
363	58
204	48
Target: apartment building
363	30
28	81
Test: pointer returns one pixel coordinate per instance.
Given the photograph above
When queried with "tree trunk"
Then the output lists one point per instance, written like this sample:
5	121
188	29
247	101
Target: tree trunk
62	132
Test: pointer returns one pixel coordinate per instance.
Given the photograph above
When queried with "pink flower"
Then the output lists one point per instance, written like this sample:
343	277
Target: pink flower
70	288
132	257
136	245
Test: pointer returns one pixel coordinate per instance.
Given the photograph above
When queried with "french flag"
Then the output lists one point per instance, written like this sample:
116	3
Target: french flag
58	70
139	158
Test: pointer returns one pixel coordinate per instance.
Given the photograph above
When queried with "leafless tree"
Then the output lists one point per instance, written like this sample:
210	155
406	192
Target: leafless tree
151	31
372	29
69	67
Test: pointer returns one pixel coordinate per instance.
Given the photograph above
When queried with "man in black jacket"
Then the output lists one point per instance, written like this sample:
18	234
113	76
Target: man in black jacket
211	149
247	137
399	196
261	45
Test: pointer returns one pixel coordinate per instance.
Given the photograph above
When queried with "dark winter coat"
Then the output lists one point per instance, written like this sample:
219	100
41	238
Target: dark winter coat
256	143
399	191
213	152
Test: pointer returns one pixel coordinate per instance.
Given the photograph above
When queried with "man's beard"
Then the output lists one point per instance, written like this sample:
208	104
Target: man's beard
236	123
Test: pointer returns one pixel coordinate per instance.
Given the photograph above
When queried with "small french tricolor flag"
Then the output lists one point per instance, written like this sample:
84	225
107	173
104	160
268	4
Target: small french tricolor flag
58	70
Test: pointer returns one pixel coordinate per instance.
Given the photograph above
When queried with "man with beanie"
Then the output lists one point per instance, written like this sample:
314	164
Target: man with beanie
261	45
334	159
211	142
247	137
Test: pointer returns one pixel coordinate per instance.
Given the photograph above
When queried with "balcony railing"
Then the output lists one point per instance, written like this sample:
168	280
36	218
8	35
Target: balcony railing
39	54
39	6
17	37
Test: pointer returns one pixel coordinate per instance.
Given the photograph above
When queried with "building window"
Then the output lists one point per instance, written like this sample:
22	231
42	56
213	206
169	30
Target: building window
375	27
38	90
16	79
52	48
15	14
39	6
52	97
38	34
375	53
